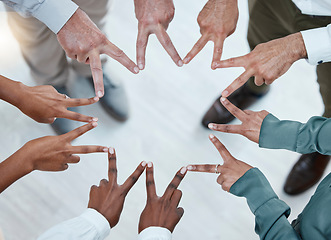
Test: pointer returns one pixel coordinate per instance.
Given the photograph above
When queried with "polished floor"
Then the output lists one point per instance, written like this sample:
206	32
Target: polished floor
167	104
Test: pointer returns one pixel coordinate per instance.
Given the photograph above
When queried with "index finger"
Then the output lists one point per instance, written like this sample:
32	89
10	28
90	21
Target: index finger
80	131
128	184
175	183
237	83
226	155
218	49
235	111
97	74
200	44
114	52
167	44
112	168
207	168
142	40
77	102
150	183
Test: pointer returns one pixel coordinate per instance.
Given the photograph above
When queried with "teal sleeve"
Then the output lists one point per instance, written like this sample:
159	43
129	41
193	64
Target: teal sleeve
313	136
270	212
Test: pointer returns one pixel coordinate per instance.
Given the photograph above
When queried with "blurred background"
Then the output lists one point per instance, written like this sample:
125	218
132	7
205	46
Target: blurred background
167	104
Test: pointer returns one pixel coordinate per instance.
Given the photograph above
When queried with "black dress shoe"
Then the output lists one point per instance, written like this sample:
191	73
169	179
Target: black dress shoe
307	171
115	100
63	125
242	98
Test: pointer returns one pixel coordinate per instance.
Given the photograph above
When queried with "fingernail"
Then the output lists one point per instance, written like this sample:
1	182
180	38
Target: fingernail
111	150
149	164
180	63
94	124
186	60
141	66
225	93
211	136
96	99
190	168
105	149
100	94
211	125
95	119
223	99
143	164
183	170
136	69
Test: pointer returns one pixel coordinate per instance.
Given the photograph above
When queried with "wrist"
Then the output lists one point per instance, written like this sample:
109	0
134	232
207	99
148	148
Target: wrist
24	160
11	91
297	46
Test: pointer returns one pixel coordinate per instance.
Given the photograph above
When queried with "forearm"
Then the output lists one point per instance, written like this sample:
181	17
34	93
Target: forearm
90	225
11	91
312	136
270	212
12	169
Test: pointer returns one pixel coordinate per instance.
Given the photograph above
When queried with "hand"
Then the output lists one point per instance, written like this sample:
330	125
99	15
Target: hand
251	122
53	153
217	21
162	211
82	40
154	17
44	104
267	62
108	199
231	170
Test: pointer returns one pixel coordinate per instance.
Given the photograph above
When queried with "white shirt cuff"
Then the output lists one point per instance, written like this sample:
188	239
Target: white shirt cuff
318	44
55	13
155	233
98	221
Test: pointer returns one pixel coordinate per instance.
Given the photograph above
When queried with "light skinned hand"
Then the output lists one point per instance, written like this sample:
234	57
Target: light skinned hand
44	104
154	17
54	153
217	21
251	122
267	62
162	211
108	198
231	170
82	40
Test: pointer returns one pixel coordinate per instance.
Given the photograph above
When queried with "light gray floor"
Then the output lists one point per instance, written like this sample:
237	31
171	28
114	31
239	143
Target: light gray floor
167	104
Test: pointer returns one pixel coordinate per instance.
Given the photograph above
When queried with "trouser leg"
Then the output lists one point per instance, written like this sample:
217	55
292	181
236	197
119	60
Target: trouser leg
40	49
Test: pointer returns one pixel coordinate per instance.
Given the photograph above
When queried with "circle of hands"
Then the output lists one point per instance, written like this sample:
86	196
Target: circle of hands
83	41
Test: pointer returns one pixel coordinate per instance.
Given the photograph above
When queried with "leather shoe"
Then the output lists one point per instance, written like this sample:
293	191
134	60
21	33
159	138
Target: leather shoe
63	125
242	98
307	171
115	100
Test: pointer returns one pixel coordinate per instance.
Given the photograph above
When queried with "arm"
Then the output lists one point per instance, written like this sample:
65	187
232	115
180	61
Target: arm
318	44
270	212
42	103
243	180
90	225
52	153
53	13
217	20
267	130
104	208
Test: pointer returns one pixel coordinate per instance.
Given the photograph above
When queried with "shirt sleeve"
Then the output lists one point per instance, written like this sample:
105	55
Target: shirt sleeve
270	212
313	136
155	233
91	225
318	44
53	13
